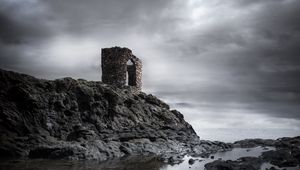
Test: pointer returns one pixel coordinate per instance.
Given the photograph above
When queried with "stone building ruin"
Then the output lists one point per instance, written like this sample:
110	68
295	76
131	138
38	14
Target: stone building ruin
121	68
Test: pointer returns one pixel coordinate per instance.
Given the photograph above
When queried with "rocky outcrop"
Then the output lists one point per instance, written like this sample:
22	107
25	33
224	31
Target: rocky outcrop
285	142
283	157
79	119
247	163
286	154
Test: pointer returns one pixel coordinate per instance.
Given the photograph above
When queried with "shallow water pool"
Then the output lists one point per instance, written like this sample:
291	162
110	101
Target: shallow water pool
134	163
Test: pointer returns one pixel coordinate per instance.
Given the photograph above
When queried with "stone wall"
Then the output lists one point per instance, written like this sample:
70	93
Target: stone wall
114	68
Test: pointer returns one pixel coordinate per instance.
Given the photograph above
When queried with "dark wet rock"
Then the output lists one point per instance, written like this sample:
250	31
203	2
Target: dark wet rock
286	142
286	153
249	163
281	158
218	165
55	152
191	161
154	100
79	119
205	148
174	159
250	143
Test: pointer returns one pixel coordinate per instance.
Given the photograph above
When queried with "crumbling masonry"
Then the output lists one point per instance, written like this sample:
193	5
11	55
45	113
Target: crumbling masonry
121	68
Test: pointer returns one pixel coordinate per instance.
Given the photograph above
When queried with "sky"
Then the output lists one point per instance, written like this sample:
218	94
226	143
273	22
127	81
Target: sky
228	66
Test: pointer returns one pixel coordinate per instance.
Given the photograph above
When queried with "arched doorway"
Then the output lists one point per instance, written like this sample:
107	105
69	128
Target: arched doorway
131	73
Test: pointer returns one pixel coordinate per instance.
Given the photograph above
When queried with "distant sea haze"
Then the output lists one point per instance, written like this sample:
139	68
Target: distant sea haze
235	134
232	123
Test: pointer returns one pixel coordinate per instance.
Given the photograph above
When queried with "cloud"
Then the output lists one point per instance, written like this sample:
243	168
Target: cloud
251	56
23	26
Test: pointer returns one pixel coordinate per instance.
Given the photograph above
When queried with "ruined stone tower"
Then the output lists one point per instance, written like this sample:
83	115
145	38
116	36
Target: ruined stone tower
121	68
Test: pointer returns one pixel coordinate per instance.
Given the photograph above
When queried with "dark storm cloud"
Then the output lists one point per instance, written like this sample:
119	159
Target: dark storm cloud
35	27
22	25
114	16
240	52
254	57
10	32
22	22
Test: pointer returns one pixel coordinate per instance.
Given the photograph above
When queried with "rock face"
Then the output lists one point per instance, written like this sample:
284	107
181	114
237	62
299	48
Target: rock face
247	163
286	154
78	119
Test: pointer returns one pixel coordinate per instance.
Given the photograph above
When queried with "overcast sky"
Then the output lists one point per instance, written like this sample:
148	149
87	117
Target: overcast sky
223	64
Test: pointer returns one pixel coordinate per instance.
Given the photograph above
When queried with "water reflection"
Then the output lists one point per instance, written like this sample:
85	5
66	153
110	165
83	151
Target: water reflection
133	163
127	163
229	155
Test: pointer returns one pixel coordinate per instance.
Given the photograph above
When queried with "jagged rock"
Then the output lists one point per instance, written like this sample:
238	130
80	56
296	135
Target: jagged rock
249	143
79	119
191	161
286	153
249	163
285	142
281	158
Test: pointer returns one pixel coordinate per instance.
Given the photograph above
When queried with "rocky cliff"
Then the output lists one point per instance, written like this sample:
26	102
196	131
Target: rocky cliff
79	119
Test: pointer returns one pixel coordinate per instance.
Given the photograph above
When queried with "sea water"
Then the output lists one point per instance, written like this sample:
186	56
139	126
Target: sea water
135	163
